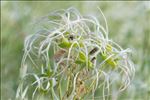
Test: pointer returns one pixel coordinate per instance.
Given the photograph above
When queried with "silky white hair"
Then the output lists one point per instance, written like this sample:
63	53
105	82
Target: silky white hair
87	31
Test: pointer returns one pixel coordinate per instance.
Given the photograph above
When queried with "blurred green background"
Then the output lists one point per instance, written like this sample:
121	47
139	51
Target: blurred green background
129	26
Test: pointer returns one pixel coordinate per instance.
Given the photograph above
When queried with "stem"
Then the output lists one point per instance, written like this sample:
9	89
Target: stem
52	93
60	94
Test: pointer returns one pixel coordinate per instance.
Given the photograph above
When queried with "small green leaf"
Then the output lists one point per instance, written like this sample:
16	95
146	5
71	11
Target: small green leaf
66	33
109	61
81	44
82	56
90	64
82	60
109	48
65	43
112	62
79	62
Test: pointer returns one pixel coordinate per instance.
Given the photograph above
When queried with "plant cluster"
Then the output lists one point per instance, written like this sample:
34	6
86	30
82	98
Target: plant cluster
72	58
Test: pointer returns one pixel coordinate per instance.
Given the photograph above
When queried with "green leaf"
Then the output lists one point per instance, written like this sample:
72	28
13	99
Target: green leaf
81	44
79	62
90	64
66	33
112	62
109	48
82	60
109	61
65	43
82	56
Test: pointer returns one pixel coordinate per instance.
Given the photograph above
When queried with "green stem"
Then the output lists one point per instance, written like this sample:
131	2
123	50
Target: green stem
60	94
52	93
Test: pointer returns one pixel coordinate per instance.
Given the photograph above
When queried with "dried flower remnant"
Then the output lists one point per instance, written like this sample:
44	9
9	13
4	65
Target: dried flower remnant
73	58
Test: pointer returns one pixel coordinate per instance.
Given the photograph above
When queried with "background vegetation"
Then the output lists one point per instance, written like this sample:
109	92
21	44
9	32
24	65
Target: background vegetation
128	22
